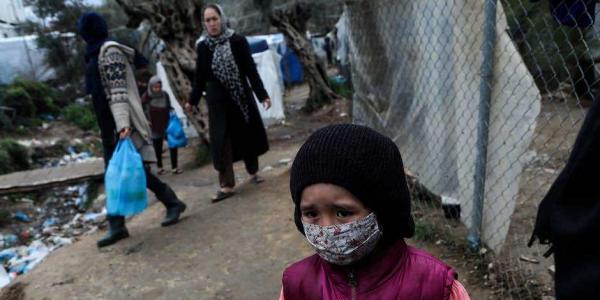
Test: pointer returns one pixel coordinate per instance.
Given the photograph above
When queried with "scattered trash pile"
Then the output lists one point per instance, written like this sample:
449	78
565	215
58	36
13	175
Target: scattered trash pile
72	157
61	152
36	228
32	225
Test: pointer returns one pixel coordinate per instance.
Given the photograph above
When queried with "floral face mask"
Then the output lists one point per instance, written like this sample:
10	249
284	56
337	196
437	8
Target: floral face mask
344	244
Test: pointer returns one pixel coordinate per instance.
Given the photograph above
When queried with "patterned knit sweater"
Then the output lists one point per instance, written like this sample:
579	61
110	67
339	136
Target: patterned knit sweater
116	72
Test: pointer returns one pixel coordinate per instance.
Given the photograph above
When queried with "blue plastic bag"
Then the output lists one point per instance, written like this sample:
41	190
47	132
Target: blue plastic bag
175	135
125	181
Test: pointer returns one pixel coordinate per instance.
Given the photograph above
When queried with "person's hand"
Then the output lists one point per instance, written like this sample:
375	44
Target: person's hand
188	107
267	103
125	133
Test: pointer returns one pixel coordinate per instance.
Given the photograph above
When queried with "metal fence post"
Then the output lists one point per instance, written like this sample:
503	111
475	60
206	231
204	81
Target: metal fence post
485	94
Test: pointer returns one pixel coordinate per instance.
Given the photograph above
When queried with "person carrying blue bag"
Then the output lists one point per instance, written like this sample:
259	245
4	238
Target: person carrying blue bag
111	82
158	110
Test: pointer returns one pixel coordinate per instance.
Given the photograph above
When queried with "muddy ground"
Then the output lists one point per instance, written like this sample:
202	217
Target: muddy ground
234	249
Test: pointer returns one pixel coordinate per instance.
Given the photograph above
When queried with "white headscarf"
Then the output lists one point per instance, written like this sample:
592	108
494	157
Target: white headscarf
224	19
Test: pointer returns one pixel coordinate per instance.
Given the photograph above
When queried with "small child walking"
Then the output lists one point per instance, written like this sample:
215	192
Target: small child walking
352	204
157	107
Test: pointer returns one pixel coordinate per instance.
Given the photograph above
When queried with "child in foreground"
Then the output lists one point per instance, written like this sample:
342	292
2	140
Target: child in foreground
352	204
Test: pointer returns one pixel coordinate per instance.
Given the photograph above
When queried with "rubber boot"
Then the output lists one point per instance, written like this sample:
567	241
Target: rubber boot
174	206
116	231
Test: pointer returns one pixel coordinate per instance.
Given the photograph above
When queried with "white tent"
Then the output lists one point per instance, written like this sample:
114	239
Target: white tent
267	63
20	56
13	12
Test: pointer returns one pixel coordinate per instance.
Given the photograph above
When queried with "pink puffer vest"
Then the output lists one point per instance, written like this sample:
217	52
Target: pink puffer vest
403	272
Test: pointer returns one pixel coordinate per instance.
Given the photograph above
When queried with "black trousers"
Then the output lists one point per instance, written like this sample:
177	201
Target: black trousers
158	148
109	145
161	190
227	176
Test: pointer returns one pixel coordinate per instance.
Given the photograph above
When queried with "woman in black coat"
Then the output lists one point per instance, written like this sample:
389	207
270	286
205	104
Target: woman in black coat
223	68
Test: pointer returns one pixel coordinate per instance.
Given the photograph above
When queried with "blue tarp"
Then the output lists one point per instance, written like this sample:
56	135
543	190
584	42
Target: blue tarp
257	45
291	68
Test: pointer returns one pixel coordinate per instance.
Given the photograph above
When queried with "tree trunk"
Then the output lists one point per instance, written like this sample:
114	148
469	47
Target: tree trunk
292	23
176	23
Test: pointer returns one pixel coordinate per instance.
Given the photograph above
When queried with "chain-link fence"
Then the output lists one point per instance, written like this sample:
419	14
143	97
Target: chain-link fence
484	99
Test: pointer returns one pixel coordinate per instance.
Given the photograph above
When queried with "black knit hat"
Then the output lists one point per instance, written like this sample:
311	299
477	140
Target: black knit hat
363	162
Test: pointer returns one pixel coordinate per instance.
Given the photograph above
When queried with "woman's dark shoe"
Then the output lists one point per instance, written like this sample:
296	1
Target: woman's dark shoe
173	214
222	196
116	231
257	179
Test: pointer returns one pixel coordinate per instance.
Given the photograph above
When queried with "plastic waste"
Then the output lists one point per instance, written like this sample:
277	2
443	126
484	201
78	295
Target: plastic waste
50	230
36	252
4	277
47	117
338	79
21	216
10	240
50	222
60	241
71	150
19	267
94	217
6	255
82	195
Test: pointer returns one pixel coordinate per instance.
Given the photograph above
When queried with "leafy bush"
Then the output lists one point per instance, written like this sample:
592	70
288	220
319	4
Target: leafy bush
80	115
29	99
18	98
5	122
43	97
13	156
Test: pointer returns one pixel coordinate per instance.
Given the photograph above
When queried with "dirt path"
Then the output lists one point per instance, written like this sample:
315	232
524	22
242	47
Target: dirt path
235	249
